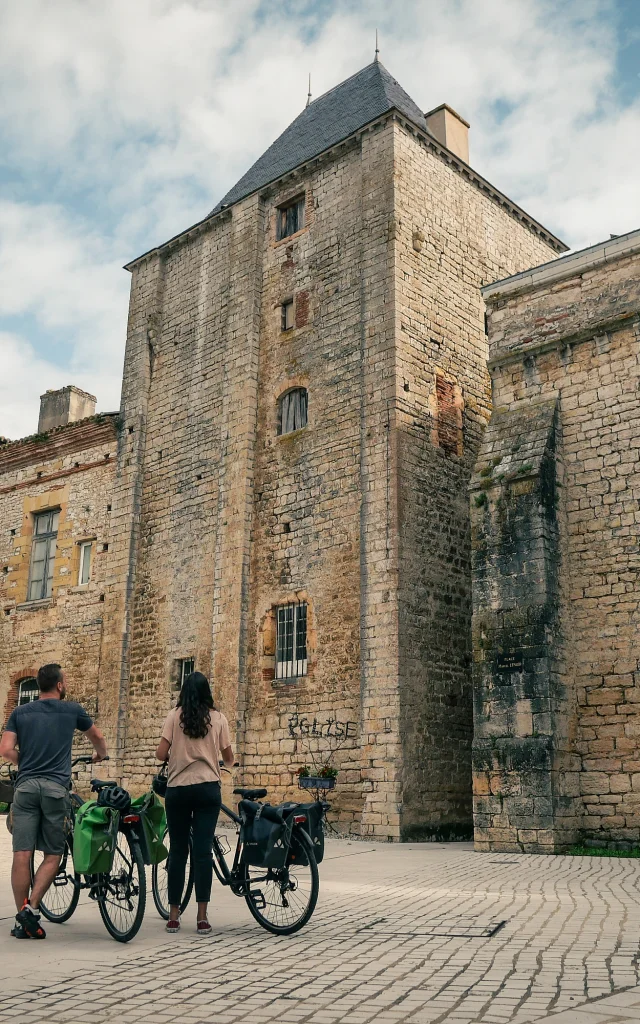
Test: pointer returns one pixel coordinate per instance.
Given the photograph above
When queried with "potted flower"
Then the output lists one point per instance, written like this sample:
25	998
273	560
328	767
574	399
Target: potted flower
317	776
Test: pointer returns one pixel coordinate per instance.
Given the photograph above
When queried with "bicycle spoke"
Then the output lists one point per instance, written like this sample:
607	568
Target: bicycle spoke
282	899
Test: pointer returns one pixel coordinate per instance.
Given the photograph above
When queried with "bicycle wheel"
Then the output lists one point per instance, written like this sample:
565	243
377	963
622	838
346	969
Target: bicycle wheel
159	882
122	894
61	899
283	899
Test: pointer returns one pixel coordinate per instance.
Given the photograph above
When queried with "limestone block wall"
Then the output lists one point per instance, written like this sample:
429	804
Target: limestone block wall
70	468
322	527
450	237
574	340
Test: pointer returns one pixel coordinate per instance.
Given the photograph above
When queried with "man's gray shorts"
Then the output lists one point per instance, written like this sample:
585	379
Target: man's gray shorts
39	809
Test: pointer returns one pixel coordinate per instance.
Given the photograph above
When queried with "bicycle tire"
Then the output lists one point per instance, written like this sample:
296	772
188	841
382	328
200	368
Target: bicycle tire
66	889
112	885
159	881
300	837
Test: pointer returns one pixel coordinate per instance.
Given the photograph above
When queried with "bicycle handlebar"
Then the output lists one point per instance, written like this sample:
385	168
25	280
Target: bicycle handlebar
87	759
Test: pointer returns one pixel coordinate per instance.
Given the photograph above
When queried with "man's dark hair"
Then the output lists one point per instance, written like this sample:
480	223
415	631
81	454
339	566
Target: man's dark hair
48	677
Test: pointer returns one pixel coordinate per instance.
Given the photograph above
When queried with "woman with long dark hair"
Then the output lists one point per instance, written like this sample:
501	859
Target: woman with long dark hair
194	737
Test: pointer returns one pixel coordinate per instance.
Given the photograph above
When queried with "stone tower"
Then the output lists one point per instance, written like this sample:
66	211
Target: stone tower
304	393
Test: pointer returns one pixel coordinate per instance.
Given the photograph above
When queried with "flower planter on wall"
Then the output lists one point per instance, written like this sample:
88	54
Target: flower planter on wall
315	782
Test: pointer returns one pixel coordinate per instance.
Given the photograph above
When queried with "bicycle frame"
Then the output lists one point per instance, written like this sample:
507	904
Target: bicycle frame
231	877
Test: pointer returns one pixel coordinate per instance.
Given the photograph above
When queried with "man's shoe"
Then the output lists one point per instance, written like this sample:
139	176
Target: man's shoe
173	927
18	932
30	922
203	928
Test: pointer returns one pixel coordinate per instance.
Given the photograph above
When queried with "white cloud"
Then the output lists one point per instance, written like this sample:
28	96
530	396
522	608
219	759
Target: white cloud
123	122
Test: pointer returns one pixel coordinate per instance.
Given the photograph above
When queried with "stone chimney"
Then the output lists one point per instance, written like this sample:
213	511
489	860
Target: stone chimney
450	130
57	408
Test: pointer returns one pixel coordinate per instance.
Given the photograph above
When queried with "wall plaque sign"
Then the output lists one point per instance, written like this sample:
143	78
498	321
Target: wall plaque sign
510	661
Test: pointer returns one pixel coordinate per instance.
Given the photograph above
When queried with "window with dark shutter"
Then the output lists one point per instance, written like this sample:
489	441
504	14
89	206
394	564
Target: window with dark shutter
292	410
290	218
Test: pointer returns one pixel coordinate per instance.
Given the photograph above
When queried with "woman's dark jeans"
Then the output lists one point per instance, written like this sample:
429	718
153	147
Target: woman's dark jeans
189	807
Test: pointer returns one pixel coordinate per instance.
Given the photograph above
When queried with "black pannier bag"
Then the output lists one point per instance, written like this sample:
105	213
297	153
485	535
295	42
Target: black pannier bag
313	827
265	834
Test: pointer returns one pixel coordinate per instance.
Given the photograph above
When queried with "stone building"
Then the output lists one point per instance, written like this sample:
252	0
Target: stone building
304	393
556	561
305	390
55	504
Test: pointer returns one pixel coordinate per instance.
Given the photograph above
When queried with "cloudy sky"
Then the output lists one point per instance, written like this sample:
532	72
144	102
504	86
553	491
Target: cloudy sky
124	121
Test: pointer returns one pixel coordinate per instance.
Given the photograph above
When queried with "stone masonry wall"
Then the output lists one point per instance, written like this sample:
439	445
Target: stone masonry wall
71	468
450	238
322	522
574	341
217	519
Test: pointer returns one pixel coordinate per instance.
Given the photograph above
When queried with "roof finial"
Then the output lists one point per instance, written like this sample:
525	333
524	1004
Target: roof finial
309	93
377	50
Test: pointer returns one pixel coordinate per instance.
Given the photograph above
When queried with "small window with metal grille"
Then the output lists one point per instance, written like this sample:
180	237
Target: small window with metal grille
290	218
43	553
291	640
292	410
28	690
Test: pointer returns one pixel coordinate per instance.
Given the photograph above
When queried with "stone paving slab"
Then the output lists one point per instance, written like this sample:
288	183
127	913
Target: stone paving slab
419	933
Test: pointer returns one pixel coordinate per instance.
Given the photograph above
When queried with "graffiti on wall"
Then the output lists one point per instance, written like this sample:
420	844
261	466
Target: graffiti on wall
301	726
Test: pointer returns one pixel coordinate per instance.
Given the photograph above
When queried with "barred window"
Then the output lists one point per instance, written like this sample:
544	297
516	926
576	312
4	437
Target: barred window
292	410
290	218
291	640
43	552
28	690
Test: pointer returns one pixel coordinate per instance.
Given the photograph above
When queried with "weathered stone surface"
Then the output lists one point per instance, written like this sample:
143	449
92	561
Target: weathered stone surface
70	468
560	551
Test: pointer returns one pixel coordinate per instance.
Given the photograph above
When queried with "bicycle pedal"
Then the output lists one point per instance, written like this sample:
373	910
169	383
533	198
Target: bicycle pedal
258	899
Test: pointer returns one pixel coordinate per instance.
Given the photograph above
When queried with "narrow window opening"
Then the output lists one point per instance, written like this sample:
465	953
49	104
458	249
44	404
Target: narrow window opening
449	425
290	218
292	410
287	321
184	668
84	571
43	552
291	640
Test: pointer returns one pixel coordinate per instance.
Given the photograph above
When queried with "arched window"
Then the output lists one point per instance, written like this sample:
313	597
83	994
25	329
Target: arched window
28	690
292	410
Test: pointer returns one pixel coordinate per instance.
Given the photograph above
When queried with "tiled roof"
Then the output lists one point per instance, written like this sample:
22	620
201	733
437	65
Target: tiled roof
325	122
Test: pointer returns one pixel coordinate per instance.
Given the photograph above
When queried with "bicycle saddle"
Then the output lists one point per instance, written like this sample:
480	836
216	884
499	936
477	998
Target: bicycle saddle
98	784
251	794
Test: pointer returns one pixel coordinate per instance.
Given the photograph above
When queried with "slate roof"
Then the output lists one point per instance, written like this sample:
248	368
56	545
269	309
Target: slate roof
326	121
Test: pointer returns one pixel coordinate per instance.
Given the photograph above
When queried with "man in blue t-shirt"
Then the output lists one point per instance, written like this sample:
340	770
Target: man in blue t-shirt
38	739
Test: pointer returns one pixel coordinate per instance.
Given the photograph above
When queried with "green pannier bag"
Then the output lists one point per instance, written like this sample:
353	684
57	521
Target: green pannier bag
154	825
95	835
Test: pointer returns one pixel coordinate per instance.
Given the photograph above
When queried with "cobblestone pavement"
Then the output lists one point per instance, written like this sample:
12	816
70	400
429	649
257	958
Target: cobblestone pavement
402	933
